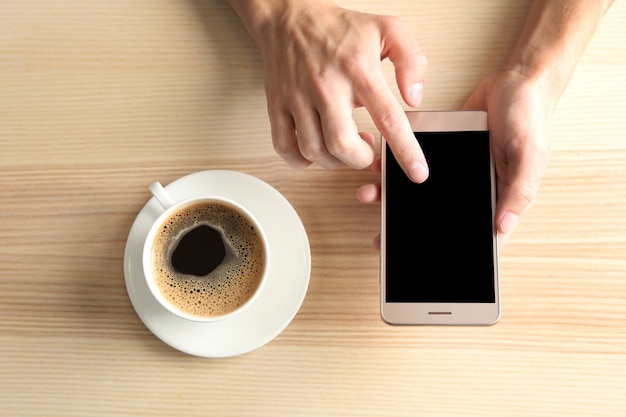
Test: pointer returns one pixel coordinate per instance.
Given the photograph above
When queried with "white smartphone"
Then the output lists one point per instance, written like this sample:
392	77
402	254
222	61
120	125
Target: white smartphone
439	249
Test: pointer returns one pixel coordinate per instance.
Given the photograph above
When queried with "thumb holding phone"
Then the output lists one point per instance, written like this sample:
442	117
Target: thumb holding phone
518	123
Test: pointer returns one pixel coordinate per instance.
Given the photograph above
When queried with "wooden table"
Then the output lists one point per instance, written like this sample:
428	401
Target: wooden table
99	99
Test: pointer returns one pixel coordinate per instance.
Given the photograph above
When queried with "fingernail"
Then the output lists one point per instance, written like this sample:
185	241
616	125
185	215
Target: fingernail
416	94
508	222
418	172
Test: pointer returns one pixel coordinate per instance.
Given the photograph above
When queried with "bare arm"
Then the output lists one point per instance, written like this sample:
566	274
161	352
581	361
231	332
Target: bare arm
554	38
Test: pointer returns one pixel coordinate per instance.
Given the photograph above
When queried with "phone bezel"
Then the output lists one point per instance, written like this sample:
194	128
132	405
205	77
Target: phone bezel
415	313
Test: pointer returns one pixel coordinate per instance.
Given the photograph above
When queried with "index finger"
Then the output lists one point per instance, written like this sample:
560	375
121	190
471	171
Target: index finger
391	121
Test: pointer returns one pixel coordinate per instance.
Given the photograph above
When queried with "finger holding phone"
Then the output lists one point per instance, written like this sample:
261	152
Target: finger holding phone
519	119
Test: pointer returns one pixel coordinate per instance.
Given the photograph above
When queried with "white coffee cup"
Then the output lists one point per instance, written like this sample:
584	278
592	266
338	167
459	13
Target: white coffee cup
232	284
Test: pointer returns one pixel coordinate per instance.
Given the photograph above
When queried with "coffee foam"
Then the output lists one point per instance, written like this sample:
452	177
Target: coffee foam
227	287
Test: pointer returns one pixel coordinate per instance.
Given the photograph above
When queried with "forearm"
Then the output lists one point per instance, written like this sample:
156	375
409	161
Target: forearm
554	38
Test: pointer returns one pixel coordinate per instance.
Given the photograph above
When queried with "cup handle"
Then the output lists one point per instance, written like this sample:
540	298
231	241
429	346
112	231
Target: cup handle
161	195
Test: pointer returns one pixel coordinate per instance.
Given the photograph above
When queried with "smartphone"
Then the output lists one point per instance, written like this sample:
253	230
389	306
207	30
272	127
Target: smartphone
439	249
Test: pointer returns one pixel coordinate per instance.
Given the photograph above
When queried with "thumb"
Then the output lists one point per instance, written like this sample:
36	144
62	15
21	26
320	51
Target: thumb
518	193
479	97
409	61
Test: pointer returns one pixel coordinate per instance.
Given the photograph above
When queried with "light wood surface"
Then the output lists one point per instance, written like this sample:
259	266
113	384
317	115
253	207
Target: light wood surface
99	99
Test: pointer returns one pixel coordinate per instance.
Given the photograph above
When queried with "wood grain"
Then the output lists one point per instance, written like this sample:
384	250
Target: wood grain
98	100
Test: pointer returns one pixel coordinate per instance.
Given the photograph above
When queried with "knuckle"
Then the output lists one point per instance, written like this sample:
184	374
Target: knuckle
339	147
394	23
526	195
295	160
418	59
310	149
283	149
290	154
391	120
350	153
367	75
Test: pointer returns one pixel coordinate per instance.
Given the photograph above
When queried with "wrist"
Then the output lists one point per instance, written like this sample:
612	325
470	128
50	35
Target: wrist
260	16
553	40
254	14
547	78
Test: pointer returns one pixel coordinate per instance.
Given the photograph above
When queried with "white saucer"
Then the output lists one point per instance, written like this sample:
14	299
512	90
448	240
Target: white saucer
281	296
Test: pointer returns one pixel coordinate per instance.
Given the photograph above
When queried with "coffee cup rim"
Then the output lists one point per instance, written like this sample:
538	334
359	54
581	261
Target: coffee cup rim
146	257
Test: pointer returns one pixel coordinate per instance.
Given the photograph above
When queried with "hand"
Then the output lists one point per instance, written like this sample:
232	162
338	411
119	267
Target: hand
519	110
321	62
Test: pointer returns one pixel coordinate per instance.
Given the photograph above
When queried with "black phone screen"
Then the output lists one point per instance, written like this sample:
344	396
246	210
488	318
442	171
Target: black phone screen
439	234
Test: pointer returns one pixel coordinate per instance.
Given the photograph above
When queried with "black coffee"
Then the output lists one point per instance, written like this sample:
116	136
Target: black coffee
199	251
207	258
